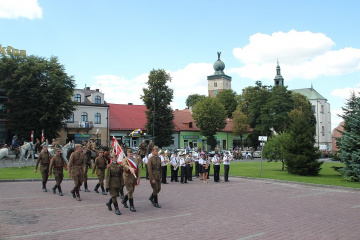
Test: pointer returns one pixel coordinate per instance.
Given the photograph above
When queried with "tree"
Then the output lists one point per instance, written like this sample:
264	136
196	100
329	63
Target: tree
157	98
240	123
39	92
193	99
274	149
210	116
227	98
349	144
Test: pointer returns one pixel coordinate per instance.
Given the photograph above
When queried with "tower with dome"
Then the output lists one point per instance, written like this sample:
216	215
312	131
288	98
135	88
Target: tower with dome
219	80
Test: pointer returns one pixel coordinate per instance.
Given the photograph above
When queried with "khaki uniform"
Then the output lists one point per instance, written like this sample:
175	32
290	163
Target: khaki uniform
142	149
129	179
76	168
87	165
114	179
154	169
44	160
100	165
57	165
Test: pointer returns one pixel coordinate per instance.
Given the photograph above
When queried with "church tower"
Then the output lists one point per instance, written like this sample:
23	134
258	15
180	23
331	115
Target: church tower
278	80
218	81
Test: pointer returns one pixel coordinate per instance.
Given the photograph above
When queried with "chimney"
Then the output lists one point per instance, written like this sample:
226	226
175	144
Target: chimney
97	89
130	104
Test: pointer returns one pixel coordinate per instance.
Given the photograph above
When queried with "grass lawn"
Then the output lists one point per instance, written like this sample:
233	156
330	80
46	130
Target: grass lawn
246	169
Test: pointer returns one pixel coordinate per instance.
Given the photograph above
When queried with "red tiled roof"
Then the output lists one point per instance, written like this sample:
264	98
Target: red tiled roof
182	118
127	117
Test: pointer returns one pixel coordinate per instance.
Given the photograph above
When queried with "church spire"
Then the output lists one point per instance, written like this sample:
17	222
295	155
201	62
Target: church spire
278	80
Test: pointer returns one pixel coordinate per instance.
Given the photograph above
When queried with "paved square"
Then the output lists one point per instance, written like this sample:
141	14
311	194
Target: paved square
240	209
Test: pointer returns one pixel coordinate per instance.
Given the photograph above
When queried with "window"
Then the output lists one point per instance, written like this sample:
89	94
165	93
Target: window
215	93
97	118
215	84
71	118
84	117
77	98
323	130
190	125
313	108
97	100
322	109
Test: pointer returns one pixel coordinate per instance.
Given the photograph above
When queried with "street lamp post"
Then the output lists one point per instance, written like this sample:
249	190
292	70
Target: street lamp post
154	119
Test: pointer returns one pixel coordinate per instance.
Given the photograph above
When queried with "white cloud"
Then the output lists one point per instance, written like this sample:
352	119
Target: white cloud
301	55
345	93
14	9
189	80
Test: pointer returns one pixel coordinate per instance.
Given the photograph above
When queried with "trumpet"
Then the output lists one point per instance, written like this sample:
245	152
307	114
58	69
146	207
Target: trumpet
177	165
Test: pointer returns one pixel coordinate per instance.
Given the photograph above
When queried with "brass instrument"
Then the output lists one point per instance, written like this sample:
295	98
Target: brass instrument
177	164
207	163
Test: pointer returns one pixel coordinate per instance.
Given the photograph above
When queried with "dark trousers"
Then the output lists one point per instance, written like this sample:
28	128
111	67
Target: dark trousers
190	171
216	173
147	173
208	171
197	169
226	172
164	171
174	174
184	176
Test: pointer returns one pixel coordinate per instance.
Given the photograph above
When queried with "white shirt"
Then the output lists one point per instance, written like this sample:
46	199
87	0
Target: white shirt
163	162
145	160
196	157
215	161
174	160
182	162
226	160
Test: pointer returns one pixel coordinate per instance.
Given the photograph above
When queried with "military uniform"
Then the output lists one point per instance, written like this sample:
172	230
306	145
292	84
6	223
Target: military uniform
114	179
154	168
142	150
216	164
77	169
100	165
44	160
57	165
184	177
87	166
163	159
174	172
226	161
130	180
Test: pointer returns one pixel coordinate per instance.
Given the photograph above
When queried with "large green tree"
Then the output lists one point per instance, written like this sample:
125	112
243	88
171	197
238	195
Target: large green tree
157	98
210	116
227	98
240	123
274	149
349	143
39	92
193	99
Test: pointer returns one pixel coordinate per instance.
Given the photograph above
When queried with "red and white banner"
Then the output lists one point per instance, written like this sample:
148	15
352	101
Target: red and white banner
32	136
133	164
42	136
117	149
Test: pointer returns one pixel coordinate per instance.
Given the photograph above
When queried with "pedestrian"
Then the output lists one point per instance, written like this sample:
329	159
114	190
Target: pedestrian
145	161
174	168
114	178
154	167
44	160
131	178
226	161
77	170
57	166
216	163
164	162
184	177
142	150
87	166
100	166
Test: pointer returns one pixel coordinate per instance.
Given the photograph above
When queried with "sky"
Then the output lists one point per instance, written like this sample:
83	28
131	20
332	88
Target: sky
113	45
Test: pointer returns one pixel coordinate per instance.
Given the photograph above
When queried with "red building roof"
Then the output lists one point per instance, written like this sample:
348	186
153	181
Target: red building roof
126	117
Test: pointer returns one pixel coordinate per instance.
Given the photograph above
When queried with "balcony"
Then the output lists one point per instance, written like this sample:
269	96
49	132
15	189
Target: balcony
79	125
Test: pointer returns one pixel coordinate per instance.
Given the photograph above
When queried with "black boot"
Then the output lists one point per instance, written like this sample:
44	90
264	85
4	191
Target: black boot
124	202
117	211
78	194
44	187
60	191
103	190
156	202
73	192
122	193
151	198
86	187
54	189
96	188
108	204
132	208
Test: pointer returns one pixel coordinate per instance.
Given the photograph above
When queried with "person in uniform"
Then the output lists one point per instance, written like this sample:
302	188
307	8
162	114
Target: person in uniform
190	166
145	161
226	161
163	167
44	160
114	178
174	168
57	166
37	146
183	178
154	167
216	163
131	178
100	166
142	150
150	147
196	160
87	166
77	169
204	166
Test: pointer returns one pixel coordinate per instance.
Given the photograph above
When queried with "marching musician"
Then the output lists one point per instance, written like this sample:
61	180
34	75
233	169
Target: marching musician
190	166
154	167
196	160
57	164
183	178
204	166
44	160
216	163
164	161
114	179
100	164
174	168
145	161
131	177
226	161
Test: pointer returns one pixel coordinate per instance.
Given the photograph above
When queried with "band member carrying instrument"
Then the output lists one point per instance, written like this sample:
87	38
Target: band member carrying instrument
226	161
216	160
205	165
190	166
164	161
174	168
184	177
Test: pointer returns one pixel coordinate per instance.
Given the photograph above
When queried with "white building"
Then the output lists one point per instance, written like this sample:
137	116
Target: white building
89	120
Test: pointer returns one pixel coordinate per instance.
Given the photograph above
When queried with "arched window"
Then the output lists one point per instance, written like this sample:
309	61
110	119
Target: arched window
84	117
97	100
77	98
71	118
97	118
